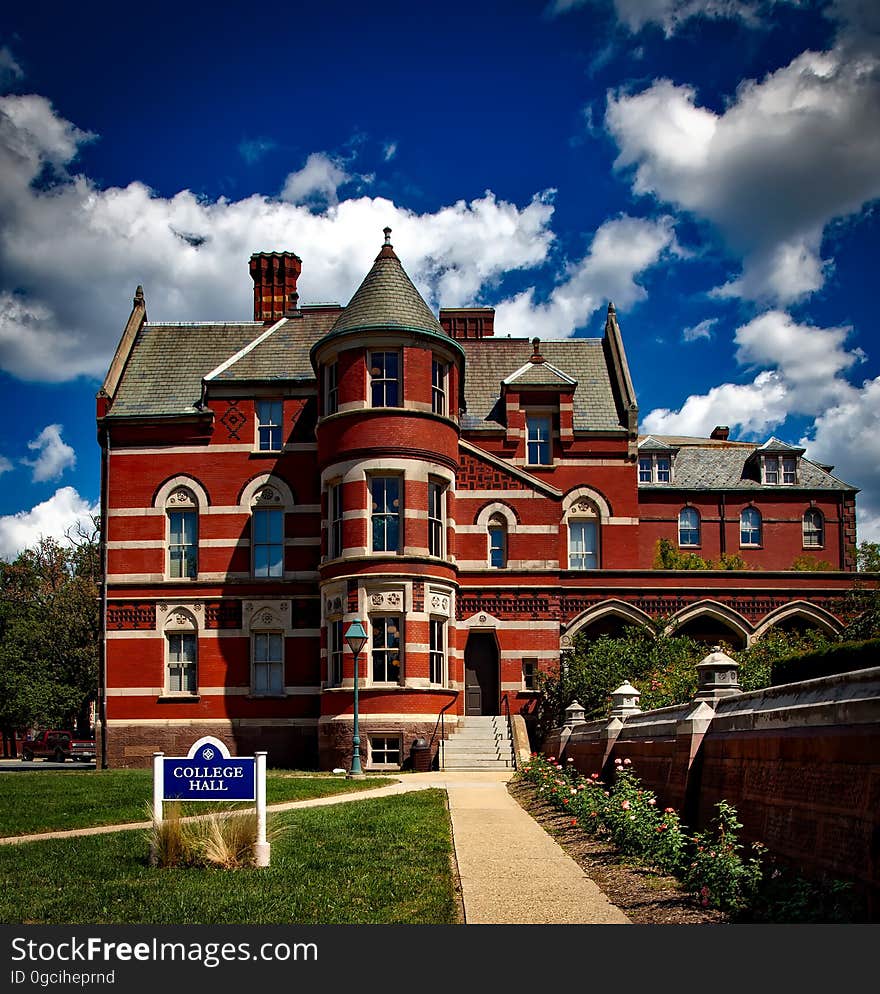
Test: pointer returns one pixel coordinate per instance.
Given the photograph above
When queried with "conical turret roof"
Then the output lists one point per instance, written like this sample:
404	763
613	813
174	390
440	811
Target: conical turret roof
387	298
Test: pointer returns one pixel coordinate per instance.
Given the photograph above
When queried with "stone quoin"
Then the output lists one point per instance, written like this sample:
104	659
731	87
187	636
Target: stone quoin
477	500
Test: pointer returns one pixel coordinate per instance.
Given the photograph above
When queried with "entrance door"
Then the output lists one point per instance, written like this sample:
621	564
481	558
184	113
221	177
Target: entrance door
481	675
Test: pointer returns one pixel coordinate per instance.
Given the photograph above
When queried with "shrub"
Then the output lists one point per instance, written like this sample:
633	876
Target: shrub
711	864
809	564
841	658
666	556
717	874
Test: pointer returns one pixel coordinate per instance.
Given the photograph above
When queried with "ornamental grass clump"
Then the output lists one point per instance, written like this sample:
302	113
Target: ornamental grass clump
220	840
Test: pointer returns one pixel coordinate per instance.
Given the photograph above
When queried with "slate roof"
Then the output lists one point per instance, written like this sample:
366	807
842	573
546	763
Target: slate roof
540	374
284	355
163	375
710	464
491	360
387	298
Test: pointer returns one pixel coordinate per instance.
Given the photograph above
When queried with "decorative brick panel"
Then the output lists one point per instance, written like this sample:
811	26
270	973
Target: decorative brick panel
130	616
477	475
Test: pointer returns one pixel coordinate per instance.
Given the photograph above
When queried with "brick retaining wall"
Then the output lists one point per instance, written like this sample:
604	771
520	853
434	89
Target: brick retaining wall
800	762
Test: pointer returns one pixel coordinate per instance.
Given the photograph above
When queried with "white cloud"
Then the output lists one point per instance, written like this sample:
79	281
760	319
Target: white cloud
755	408
318	181
621	250
670	15
51	519
10	70
810	359
389	151
55	455
701	330
801	373
5	465
191	254
760	171
847	436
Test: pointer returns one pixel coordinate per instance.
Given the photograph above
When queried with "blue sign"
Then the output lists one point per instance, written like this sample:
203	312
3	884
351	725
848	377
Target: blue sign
208	773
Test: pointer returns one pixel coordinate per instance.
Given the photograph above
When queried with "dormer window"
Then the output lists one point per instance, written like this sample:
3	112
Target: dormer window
655	467
538	443
780	470
269	425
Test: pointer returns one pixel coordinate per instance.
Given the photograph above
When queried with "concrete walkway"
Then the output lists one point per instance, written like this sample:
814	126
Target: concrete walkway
511	871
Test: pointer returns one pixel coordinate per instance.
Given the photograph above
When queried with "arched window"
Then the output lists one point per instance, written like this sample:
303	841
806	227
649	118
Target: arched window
750	526
814	529
688	526
583	510
497	542
181	653
268	499
182	510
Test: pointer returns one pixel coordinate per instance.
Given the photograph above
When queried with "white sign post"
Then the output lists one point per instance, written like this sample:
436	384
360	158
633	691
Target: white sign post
209	773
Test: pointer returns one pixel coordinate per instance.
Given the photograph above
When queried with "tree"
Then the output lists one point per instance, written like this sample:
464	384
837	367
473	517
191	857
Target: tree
660	663
49	634
868	557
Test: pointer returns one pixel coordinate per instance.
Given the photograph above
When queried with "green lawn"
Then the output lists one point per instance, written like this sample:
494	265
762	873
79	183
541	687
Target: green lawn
383	860
53	800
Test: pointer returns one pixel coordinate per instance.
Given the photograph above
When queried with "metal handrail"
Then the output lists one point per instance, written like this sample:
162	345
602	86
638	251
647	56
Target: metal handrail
442	724
505	704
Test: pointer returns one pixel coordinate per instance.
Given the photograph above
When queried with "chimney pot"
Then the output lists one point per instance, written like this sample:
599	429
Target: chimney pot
274	275
468	322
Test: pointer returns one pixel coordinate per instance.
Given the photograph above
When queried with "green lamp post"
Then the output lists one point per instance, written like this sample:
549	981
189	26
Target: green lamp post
356	638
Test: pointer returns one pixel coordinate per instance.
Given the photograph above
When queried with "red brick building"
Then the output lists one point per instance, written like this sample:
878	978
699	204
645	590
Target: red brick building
475	499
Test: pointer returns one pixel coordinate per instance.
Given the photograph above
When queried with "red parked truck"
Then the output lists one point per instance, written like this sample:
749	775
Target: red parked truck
57	746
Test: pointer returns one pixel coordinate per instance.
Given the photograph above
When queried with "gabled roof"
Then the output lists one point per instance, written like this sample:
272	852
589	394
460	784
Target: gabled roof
651	444
490	361
774	445
166	363
539	374
281	353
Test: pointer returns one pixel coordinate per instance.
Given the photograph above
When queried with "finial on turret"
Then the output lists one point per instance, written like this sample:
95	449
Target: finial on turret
387	233
536	351
611	308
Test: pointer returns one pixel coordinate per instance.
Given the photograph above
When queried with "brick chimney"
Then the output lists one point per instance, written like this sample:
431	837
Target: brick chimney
274	275
468	322
720	432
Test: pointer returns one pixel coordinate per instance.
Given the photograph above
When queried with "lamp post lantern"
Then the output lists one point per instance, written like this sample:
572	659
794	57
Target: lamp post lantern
356	638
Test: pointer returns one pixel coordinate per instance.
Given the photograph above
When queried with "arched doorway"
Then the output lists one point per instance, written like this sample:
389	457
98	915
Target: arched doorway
481	674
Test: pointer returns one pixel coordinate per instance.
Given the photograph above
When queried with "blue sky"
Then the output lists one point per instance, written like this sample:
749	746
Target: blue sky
711	166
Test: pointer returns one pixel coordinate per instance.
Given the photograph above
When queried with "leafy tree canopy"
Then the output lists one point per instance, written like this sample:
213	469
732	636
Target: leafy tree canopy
49	634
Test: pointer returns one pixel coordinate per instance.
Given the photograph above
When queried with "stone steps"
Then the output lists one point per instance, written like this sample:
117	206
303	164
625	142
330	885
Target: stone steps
479	743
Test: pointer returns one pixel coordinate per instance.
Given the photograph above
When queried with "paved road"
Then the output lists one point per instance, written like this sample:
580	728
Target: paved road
17	766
